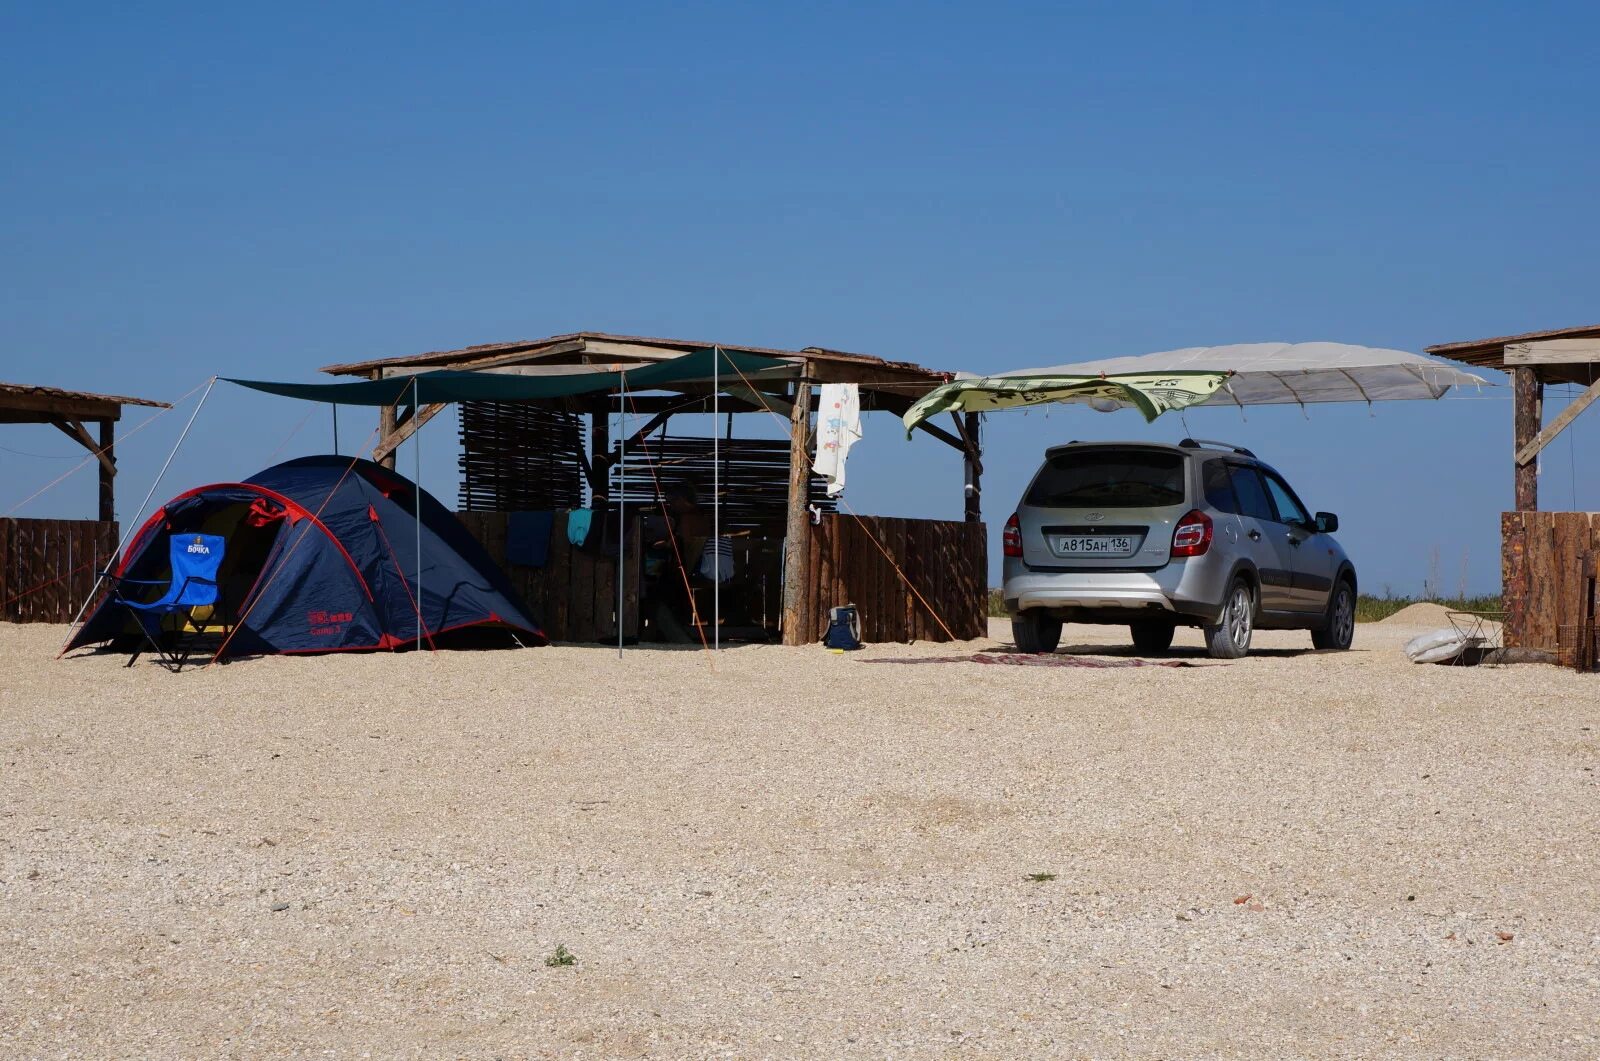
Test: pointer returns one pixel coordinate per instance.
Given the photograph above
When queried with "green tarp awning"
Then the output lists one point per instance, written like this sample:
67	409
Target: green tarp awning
451	386
1152	394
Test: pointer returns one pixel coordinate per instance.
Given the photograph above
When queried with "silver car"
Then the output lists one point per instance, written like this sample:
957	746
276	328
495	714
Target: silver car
1155	536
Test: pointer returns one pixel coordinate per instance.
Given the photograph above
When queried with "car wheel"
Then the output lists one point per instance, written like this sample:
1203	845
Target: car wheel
1035	633
1152	637
1230	638
1341	628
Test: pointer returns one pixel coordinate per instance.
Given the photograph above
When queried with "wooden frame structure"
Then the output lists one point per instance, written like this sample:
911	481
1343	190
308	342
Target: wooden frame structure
48	566
69	412
1548	559
886	386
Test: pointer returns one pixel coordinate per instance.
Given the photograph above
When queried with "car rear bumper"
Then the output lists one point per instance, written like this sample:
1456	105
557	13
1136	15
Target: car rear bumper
1179	590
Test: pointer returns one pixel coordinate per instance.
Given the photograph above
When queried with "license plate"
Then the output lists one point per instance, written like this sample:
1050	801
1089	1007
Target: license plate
1094	545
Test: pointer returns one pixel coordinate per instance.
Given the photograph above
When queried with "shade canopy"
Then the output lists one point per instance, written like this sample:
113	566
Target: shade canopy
1151	393
1290	373
730	367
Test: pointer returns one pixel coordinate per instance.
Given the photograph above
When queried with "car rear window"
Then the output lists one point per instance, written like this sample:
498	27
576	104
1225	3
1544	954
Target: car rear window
1109	479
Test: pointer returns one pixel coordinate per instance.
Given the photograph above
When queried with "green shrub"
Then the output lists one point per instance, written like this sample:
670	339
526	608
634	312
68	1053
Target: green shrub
1369	609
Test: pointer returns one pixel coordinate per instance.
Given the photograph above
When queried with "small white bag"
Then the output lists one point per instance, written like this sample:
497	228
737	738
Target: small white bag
1436	647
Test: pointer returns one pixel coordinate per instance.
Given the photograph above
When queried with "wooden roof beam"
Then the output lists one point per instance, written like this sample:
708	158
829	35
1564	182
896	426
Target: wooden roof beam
494	361
406	430
46	407
79	434
1554	352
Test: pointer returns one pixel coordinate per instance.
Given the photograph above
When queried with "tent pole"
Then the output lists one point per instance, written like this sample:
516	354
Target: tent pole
416	495
622	500
716	500
335	427
133	524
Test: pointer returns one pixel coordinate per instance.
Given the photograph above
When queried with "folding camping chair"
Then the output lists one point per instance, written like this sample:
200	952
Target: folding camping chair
192	601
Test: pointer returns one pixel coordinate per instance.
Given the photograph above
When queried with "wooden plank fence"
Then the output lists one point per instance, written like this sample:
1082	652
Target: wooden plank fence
48	566
574	596
854	560
1548	571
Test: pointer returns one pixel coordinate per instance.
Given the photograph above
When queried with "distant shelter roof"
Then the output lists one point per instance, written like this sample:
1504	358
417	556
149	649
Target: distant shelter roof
577	352
21	403
1491	353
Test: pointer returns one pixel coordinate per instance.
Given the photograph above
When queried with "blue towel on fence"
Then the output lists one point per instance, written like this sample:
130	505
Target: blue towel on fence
528	538
578	521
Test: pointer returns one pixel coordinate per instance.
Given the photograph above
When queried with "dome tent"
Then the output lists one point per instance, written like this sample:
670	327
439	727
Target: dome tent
322	555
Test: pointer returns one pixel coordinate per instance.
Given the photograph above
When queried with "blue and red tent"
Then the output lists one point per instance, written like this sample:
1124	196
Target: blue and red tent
323	555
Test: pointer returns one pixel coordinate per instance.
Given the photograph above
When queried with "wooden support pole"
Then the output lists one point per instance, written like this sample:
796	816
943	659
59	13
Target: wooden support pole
600	447
387	421
1528	417
108	470
972	505
384	450
1559	424
797	529
75	430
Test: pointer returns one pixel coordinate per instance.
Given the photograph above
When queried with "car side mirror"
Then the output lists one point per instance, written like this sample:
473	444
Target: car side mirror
1327	522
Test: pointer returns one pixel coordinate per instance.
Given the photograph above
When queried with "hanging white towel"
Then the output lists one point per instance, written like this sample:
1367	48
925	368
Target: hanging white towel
838	428
716	559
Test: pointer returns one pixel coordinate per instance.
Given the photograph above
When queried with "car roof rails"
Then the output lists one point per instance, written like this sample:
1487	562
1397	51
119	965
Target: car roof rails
1196	443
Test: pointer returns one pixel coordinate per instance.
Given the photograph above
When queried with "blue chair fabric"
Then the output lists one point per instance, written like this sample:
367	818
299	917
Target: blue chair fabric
196	560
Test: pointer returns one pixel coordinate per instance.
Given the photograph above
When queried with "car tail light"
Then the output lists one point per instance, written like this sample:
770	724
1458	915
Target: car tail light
1011	539
1193	535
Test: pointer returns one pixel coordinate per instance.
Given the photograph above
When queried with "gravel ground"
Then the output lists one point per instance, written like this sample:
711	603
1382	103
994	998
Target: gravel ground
798	854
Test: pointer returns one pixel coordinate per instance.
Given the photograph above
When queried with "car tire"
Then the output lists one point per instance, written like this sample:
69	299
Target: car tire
1340	630
1230	637
1153	636
1035	633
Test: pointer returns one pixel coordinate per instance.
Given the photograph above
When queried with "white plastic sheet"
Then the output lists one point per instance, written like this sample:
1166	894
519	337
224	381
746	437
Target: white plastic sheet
1290	373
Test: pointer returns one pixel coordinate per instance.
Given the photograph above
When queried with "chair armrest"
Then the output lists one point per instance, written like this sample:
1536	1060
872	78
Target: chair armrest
111	576
196	580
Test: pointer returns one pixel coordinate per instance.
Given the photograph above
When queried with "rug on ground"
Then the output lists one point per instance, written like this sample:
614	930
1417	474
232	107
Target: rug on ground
1025	659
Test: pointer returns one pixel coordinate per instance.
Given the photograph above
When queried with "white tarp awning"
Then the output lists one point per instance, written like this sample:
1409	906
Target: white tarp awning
1288	373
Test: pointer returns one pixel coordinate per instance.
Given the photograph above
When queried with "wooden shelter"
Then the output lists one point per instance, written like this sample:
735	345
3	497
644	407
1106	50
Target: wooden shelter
1548	559
47	566
911	579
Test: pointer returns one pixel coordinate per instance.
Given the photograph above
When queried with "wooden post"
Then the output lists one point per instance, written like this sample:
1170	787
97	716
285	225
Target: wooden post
797	530
1528	418
108	493
388	422
600	461
973	488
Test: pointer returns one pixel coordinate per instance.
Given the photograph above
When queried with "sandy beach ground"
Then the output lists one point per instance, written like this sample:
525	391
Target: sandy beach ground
794	853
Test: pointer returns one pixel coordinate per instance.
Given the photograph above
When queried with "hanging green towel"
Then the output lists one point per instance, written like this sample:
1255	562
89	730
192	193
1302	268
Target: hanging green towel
578	521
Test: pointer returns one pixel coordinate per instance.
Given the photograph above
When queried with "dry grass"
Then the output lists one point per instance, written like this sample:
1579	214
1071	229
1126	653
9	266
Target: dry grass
797	855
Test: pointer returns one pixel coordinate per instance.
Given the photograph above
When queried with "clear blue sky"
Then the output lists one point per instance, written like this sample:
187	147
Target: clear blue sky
261	190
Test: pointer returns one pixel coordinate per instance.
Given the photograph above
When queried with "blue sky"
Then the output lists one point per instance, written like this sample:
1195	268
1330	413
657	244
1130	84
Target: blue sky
264	190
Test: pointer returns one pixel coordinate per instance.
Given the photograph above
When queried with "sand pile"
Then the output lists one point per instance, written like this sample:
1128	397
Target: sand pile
1423	614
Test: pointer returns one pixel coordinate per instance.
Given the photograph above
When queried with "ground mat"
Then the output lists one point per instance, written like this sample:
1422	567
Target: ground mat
1024	659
